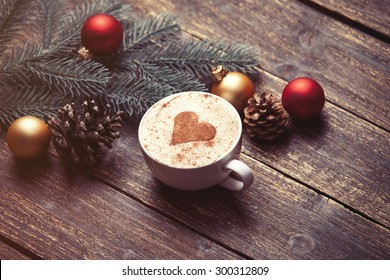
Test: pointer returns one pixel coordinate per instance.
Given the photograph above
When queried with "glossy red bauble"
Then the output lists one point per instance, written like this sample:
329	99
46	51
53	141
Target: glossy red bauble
303	98
102	34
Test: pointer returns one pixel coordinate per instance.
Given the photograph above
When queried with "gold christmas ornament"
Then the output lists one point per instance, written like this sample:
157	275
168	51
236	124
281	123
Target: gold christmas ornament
28	137
235	87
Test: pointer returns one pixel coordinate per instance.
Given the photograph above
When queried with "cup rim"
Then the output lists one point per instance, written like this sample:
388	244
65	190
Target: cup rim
237	115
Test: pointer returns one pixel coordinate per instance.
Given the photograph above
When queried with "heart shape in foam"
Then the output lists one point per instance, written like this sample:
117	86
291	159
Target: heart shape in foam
187	128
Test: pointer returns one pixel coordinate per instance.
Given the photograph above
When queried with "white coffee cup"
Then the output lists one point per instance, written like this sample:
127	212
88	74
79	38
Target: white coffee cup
189	164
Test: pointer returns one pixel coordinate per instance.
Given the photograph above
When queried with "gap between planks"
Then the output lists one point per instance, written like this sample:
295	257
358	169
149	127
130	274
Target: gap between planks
10	250
225	246
318	191
346	20
22	250
297	180
136	199
281	78
350	208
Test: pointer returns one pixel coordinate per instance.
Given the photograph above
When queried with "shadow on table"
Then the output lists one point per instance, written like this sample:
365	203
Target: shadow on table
298	133
215	208
29	170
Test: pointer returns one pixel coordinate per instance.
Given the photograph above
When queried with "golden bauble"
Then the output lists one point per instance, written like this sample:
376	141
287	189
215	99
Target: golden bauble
28	137
236	88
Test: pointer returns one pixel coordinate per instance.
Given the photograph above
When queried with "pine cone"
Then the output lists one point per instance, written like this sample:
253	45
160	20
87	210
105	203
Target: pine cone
79	139
265	117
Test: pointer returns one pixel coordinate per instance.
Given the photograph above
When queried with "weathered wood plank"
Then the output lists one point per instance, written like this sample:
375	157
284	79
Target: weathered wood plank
56	216
374	14
297	41
277	218
9	253
339	154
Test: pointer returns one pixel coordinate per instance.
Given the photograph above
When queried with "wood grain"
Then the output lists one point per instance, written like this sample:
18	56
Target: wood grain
295	40
56	216
321	191
338	154
9	253
276	218
374	14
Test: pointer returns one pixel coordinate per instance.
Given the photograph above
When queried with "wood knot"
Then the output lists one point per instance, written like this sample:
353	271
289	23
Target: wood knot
301	243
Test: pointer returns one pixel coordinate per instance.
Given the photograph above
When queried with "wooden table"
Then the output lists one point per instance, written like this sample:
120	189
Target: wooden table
320	192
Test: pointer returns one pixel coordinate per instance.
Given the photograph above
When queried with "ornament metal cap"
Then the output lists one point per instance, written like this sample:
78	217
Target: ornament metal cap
218	73
85	53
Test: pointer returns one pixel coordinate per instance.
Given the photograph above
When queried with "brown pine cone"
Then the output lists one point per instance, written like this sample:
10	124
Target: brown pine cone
79	138
265	117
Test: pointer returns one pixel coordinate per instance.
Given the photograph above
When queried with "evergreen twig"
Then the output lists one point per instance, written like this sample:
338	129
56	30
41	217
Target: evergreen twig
17	19
38	101
153	30
136	92
39	76
68	37
73	76
50	20
195	56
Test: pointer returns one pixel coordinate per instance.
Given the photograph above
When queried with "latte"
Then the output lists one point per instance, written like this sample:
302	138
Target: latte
189	130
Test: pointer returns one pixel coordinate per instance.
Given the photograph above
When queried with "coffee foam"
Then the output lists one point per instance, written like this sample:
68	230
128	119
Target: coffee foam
157	130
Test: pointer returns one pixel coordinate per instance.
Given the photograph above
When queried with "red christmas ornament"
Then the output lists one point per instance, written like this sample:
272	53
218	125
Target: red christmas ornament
102	34
303	98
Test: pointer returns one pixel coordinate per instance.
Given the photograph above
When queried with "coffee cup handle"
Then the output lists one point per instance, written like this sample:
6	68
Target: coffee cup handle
243	171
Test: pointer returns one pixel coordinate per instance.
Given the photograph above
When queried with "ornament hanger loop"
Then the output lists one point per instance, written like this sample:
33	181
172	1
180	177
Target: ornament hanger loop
218	73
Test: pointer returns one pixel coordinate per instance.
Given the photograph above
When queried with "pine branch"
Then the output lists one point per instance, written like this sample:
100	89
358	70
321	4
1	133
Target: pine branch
175	81
39	102
135	93
154	62
44	61
16	21
195	57
64	39
11	68
50	20
68	37
141	35
153	29
74	77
